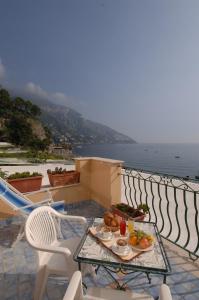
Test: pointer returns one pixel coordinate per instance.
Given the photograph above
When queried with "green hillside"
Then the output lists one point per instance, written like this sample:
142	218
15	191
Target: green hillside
20	123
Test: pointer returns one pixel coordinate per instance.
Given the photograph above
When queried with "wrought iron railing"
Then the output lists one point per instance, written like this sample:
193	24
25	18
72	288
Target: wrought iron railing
173	203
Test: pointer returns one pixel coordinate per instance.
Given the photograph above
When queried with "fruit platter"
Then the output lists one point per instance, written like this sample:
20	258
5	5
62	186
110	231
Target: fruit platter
141	241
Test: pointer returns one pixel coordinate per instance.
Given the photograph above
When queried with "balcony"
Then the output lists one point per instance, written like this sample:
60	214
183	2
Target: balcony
173	206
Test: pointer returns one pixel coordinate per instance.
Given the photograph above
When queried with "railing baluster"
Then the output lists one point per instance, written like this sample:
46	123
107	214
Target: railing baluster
186	222
130	191
151	186
135	192
140	190
125	189
176	215
196	221
147	197
160	208
170	224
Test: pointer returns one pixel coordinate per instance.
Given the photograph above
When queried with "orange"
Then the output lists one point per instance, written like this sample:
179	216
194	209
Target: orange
133	240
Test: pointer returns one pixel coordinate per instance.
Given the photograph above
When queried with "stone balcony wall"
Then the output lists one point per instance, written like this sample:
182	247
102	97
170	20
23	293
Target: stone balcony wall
100	180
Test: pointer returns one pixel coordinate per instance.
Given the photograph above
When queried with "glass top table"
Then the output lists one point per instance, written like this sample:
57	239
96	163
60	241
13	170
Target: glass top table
91	251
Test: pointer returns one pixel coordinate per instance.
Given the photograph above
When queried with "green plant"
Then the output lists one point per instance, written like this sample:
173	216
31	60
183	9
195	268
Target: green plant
124	207
3	174
35	160
23	175
19	116
41	156
57	171
37	156
142	209
15	155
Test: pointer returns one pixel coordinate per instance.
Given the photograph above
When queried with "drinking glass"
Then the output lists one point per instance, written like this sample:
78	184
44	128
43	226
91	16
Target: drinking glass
123	227
130	226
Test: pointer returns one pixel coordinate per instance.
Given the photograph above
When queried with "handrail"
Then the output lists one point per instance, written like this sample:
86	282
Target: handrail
183	183
173	203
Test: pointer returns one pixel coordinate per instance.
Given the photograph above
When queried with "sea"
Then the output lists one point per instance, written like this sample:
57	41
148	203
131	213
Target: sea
172	159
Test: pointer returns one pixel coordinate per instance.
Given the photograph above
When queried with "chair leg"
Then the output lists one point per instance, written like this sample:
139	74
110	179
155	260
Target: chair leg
91	270
19	236
40	285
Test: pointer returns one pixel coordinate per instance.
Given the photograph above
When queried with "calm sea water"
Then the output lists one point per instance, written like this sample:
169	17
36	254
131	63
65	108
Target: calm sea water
175	159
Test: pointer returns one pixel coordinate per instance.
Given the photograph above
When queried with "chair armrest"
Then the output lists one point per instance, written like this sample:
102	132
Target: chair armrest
44	190
54	249
58	202
71	218
89	297
74	218
74	290
165	293
48	192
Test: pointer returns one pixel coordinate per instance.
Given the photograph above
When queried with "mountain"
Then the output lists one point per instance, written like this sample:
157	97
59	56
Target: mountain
67	125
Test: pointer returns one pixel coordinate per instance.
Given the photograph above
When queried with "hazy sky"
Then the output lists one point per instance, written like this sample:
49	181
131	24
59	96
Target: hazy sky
130	64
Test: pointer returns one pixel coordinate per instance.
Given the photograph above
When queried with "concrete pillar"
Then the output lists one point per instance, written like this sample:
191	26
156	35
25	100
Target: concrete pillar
100	179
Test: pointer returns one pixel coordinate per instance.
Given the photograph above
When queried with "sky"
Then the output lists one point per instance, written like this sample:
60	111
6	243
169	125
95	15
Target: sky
130	64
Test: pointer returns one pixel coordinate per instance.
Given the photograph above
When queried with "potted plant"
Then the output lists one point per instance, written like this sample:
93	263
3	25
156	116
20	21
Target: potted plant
25	181
3	174
62	177
129	212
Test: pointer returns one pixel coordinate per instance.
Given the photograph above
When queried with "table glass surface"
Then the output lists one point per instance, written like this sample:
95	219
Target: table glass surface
91	250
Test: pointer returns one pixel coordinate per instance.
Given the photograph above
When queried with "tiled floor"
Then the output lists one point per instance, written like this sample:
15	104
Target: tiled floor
18	266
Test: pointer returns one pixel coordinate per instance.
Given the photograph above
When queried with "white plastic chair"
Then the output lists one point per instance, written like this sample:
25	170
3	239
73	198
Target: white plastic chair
54	256
75	292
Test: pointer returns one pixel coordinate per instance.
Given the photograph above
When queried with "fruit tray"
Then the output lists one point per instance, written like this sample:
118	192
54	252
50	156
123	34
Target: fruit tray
108	244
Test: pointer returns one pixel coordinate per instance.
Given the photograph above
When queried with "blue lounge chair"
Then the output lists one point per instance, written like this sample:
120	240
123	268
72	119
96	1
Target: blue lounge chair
22	205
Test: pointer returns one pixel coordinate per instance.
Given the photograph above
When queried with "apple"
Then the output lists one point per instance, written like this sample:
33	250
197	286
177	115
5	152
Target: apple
144	243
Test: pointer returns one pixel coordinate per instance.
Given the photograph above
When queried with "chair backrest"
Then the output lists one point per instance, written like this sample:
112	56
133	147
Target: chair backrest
40	227
75	292
13	197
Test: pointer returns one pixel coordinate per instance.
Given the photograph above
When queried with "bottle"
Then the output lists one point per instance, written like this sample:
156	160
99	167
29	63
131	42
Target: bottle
130	226
123	227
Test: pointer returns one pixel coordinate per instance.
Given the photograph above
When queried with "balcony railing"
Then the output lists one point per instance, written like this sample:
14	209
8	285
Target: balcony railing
173	203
